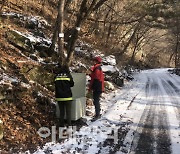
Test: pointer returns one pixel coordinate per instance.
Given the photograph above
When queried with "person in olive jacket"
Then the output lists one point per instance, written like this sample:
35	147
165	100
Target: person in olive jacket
63	94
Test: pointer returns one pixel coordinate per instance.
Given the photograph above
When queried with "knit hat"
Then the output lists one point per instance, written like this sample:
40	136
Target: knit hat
98	59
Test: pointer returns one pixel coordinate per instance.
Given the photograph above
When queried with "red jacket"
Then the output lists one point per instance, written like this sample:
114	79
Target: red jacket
97	78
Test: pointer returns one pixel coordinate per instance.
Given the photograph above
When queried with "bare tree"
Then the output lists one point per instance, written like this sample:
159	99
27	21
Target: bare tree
84	12
177	49
121	22
86	8
59	33
60	20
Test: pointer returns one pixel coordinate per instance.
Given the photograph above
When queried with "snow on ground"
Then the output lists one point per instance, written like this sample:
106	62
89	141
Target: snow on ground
113	105
126	105
164	105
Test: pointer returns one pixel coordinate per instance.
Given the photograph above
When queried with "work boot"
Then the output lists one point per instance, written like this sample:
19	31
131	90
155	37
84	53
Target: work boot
96	117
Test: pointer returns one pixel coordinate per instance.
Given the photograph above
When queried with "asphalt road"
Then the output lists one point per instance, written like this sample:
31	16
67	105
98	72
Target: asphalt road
155	127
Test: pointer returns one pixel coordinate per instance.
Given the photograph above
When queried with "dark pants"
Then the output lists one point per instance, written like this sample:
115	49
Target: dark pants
96	97
64	107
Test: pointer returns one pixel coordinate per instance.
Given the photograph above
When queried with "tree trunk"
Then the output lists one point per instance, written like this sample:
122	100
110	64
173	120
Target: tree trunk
54	37
134	53
75	32
82	16
61	32
177	54
170	58
109	32
130	39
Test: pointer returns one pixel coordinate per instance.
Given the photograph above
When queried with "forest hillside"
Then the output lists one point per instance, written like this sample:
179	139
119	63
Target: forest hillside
140	34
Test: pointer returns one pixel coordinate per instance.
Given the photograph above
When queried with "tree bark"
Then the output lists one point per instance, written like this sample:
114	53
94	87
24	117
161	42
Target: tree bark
61	32
54	37
81	17
177	54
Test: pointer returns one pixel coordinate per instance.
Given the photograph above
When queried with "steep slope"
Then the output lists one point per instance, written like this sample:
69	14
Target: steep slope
25	105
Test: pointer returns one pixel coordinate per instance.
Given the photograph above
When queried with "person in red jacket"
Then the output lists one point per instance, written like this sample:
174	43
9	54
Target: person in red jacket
96	84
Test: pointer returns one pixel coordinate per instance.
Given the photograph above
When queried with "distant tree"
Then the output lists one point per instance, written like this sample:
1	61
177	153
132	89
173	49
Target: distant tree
160	15
176	34
139	41
123	23
167	15
174	26
117	21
